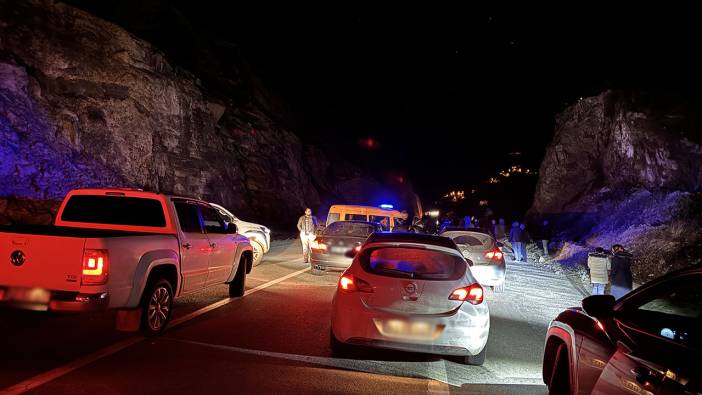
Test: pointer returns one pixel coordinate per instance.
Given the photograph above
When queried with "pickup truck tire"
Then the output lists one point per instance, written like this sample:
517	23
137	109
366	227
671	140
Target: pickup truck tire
257	252
238	285
156	305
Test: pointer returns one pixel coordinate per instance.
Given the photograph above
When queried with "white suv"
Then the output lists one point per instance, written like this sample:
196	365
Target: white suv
259	236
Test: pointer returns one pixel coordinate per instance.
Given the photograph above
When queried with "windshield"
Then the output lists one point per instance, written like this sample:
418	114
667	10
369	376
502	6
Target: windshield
353	229
416	263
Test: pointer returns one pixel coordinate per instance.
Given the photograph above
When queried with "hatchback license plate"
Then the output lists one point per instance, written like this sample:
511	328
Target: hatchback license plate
340	250
406	329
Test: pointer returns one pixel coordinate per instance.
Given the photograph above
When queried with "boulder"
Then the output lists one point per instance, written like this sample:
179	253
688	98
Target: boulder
625	167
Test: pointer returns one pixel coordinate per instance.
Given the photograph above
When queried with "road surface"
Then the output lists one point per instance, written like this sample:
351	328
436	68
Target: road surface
273	340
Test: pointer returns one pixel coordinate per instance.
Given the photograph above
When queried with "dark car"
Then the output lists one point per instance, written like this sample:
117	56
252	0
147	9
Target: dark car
648	342
331	247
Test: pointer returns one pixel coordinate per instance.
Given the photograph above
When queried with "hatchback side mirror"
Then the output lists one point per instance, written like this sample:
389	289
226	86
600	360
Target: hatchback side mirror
231	228
599	306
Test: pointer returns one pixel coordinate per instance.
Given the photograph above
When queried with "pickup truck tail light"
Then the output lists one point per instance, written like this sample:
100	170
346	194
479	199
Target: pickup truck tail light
96	267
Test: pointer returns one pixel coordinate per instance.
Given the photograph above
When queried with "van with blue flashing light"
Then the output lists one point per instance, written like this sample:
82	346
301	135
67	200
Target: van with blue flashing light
385	215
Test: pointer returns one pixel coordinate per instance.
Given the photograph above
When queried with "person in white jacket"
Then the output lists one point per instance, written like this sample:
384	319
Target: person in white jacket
600	266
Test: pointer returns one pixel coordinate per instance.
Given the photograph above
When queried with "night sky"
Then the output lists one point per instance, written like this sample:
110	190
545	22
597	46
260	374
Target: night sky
446	93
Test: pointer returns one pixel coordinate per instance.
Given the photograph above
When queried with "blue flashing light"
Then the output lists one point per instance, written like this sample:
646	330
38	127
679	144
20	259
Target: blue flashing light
387	206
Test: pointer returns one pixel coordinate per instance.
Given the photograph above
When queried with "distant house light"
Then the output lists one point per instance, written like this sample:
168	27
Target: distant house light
387	206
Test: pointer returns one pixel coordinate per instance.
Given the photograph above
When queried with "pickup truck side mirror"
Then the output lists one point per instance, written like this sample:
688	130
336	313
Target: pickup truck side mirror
599	306
231	228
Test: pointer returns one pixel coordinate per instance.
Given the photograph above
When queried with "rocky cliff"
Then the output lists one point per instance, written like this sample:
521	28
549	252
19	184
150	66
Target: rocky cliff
83	103
626	168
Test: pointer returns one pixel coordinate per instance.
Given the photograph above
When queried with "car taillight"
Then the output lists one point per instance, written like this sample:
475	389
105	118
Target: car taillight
472	294
495	255
350	283
316	245
357	248
96	267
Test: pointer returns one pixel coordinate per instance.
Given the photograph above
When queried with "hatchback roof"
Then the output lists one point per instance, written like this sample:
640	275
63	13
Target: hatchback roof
401	237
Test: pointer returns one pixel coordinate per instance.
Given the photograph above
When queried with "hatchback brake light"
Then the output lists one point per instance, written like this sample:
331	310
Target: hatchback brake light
96	267
350	283
472	294
495	255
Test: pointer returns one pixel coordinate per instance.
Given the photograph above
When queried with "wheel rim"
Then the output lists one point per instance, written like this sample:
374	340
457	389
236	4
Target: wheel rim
159	307
257	253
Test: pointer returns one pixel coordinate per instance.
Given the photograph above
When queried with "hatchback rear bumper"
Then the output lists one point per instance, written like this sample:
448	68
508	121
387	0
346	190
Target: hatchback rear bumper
464	332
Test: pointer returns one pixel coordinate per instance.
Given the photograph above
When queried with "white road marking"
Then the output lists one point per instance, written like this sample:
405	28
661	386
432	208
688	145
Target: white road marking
433	370
53	374
63	370
225	301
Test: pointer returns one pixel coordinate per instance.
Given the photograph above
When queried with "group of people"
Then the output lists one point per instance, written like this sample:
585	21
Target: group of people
520	237
610	268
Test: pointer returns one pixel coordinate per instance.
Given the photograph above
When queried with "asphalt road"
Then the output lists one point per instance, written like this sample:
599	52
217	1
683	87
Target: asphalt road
273	340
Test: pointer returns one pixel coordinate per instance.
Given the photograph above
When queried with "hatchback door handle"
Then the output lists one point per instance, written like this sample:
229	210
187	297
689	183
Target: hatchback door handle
187	246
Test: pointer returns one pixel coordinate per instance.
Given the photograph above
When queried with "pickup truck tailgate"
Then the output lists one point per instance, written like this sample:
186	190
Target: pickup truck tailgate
41	261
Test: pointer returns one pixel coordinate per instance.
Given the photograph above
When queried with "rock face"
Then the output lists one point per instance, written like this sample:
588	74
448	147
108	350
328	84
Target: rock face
85	104
626	168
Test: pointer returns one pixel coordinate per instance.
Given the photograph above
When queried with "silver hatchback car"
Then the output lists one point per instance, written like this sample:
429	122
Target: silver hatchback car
485	253
411	292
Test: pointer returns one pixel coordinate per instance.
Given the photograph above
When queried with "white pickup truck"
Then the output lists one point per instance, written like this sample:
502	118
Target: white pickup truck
122	249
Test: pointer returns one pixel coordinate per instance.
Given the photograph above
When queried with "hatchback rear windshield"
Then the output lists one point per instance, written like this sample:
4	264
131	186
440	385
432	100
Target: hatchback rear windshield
416	263
114	210
353	229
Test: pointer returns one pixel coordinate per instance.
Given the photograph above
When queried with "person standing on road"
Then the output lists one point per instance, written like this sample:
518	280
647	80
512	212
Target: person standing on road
515	237
621	271
500	231
467	223
546	234
524	239
307	225
600	266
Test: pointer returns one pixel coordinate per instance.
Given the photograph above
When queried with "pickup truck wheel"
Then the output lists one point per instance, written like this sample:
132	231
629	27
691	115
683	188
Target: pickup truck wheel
156	305
238	285
257	252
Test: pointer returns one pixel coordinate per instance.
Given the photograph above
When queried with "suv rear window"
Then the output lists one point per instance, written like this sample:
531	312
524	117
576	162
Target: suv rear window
114	210
416	263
